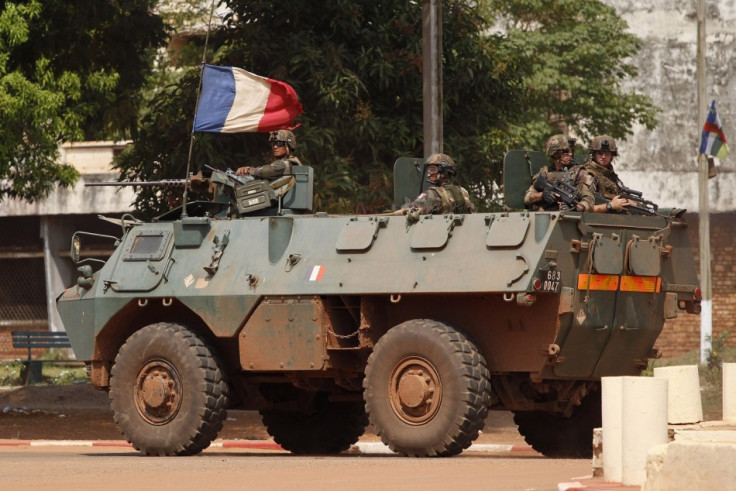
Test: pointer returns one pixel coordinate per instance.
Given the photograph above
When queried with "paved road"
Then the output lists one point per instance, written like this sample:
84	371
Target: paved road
81	468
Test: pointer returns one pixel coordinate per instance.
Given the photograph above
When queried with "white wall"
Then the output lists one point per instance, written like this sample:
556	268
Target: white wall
662	163
93	160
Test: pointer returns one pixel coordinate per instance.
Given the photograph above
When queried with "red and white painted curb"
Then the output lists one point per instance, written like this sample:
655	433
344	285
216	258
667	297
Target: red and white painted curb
358	448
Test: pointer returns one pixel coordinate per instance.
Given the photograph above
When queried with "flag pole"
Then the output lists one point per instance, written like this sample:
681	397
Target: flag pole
196	104
706	320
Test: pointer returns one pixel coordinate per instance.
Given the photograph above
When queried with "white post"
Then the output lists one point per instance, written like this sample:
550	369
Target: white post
706	324
729	392
634	419
644	411
684	404
612	419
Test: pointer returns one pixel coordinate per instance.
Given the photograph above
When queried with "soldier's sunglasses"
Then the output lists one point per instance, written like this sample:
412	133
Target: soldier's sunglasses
278	144
565	151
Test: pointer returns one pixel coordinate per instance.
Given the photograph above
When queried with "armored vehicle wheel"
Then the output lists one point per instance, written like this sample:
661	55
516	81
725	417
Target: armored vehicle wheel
328	428
427	389
167	391
556	436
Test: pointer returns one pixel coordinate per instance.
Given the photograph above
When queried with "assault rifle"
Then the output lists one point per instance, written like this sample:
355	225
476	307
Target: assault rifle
564	189
641	206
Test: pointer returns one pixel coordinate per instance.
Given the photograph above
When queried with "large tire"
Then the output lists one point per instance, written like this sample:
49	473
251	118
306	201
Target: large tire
168	391
555	436
328	428
427	389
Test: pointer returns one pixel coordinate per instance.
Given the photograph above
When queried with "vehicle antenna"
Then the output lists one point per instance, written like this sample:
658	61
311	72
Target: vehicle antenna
196	105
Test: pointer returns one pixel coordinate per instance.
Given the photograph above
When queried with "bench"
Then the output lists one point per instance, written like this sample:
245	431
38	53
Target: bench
31	372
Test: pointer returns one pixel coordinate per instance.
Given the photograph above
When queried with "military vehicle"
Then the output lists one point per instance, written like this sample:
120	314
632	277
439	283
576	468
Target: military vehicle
326	323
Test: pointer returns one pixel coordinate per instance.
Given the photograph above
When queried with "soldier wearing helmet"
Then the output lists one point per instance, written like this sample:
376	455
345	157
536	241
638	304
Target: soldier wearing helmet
597	181
560	150
282	143
444	196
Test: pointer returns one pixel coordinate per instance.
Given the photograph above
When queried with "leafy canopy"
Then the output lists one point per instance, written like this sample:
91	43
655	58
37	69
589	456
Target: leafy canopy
576	55
68	71
357	69
514	72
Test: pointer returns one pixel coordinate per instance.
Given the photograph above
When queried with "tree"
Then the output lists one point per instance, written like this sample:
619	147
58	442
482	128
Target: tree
356	66
34	107
515	72
110	46
575	55
68	71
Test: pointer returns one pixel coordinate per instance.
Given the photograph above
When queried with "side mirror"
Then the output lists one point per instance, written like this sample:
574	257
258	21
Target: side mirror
76	250
76	247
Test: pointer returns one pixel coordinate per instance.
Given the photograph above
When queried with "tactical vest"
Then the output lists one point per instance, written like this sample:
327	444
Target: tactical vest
289	162
453	199
282	185
553	177
607	181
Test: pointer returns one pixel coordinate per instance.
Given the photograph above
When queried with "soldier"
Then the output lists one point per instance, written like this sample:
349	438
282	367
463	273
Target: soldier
444	196
560	150
597	177
283	143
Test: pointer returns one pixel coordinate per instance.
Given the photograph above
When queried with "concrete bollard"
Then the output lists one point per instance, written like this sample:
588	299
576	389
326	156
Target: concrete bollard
729	392
684	404
612	419
634	420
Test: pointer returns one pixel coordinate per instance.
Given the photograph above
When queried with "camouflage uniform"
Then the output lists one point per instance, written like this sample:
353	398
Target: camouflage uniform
275	169
449	198
554	145
594	178
280	167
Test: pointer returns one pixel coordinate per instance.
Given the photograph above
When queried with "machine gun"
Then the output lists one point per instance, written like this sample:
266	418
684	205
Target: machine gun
230	194
641	206
563	188
228	191
230	175
163	183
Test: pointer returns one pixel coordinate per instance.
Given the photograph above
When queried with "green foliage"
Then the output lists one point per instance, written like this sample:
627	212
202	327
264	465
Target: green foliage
575	56
110	46
357	69
714	356
68	71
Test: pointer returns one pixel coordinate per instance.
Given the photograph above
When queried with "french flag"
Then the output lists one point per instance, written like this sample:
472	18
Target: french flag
234	100
316	273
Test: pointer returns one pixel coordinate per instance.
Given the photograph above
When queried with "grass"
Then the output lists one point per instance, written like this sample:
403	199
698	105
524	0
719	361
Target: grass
53	373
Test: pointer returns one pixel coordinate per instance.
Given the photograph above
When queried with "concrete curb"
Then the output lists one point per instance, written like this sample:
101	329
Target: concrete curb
372	448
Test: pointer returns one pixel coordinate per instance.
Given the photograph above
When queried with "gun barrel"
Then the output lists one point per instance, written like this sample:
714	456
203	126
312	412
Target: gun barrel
626	190
143	184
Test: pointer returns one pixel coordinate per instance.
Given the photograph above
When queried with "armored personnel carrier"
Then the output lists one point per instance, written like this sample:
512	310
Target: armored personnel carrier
326	323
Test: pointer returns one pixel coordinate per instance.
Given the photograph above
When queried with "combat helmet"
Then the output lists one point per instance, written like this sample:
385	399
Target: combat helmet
445	164
283	136
603	142
557	143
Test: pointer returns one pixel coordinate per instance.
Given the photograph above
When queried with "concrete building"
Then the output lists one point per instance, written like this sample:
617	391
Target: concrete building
35	266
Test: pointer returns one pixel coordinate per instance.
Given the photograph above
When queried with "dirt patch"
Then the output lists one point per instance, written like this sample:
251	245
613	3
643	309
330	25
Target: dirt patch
81	412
